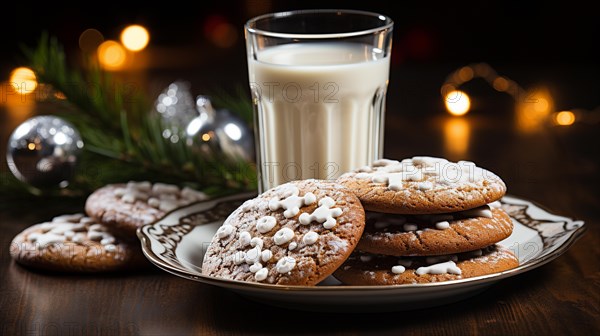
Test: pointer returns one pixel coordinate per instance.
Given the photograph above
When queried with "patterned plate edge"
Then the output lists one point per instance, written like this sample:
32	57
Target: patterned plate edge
183	272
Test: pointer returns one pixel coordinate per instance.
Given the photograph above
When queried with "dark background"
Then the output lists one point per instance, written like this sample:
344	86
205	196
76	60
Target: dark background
549	45
554	45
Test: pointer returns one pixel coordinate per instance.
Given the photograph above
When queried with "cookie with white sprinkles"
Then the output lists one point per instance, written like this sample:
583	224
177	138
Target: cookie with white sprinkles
125	207
295	234
424	235
423	185
364	269
75	243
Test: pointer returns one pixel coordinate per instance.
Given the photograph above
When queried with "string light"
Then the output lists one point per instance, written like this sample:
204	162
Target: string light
468	73
500	84
23	80
534	107
457	102
135	37
112	55
465	74
487	73
564	118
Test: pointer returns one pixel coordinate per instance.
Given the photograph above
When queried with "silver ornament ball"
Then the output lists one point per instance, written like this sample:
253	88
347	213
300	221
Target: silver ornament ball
177	108
43	152
220	131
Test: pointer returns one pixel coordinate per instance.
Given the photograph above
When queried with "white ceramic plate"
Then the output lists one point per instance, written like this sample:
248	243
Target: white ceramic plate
177	244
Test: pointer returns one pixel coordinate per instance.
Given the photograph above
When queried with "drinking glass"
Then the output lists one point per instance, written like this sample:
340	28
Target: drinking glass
318	80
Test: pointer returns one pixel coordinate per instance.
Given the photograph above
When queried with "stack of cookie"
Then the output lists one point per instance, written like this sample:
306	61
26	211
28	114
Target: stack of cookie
428	220
106	240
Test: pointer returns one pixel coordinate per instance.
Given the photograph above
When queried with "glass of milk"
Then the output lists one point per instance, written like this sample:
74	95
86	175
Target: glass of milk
318	80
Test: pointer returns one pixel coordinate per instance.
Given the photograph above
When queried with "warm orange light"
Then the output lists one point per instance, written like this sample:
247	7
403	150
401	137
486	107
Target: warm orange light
205	137
541	105
112	55
135	37
59	95
457	102
23	80
564	118
465	74
533	110
482	70
446	88
500	84
456	138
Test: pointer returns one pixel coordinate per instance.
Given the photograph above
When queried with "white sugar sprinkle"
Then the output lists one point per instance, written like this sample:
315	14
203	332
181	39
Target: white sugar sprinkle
398	269
442	225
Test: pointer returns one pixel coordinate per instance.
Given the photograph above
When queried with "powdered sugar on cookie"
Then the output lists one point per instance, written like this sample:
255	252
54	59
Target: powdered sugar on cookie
74	243
448	267
388	270
292	203
126	207
423	185
429	172
297	233
434	234
162	196
323	214
75	229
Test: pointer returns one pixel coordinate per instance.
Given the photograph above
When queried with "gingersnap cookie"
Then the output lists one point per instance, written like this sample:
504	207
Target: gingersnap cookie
125	207
295	234
424	235
74	243
423	185
364	269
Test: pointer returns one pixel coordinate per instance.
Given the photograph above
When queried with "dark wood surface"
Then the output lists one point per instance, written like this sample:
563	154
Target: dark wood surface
556	167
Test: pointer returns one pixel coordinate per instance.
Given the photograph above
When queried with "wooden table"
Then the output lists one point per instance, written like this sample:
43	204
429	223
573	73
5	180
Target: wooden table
558	168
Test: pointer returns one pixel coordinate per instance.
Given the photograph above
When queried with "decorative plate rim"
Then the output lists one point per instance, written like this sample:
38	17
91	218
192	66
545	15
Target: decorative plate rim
146	243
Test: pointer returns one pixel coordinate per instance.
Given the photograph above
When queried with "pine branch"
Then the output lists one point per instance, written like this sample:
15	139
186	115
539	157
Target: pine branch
119	131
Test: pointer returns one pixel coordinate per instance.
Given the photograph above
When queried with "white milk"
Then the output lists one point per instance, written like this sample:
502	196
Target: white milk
320	109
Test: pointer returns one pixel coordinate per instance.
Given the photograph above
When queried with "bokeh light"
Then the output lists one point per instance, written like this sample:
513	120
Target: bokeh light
500	84
59	95
23	80
457	132
465	74
533	110
457	102
135	37
446	88
233	131
220	31
90	39
564	118
483	70
112	55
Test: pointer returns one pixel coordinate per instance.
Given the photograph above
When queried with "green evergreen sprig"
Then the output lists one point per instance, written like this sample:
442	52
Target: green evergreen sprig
123	140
